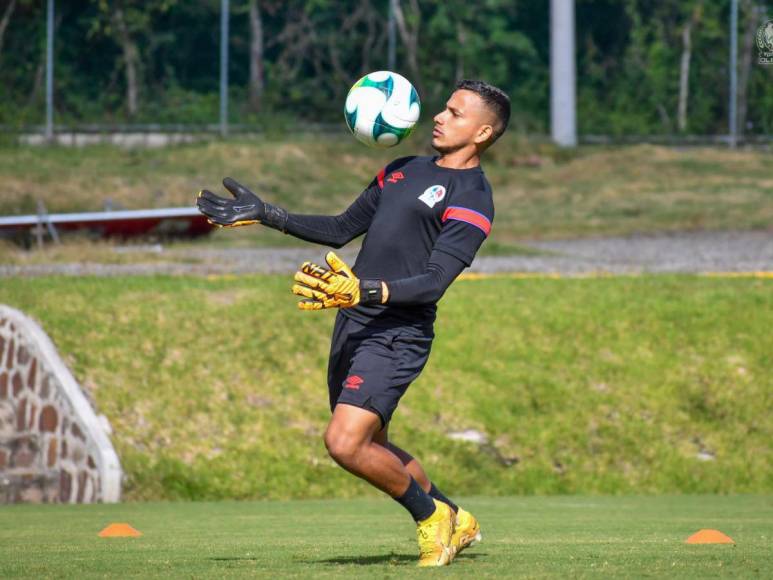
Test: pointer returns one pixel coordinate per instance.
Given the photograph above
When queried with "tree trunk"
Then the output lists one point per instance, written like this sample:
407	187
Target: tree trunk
752	11
37	84
684	72
684	76
371	38
410	38
131	58
256	56
4	22
461	38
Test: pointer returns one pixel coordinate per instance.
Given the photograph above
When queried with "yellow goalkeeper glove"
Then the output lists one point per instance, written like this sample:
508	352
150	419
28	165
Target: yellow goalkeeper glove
336	287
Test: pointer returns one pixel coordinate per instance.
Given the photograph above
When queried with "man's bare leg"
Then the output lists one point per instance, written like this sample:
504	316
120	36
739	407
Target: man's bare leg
467	530
350	441
414	467
411	463
356	441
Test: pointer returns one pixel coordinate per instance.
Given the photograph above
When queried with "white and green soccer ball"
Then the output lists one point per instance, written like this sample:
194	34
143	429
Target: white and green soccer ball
382	108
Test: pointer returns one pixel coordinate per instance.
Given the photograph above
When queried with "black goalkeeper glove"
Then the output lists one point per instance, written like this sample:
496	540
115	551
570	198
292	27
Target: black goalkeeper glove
246	208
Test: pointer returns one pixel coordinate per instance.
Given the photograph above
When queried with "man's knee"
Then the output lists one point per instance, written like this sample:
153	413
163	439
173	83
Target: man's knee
350	431
341	446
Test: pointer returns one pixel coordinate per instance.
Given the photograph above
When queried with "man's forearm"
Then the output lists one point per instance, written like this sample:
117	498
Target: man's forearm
334	231
429	287
338	230
248	208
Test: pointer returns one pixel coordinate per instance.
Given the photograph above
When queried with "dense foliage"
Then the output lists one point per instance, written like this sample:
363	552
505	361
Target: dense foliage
644	66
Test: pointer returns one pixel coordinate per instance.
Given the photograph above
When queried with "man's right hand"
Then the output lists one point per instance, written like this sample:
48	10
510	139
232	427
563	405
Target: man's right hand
246	207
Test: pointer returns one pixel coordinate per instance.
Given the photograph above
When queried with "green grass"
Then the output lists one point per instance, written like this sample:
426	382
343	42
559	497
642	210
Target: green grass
539	191
216	387
537	537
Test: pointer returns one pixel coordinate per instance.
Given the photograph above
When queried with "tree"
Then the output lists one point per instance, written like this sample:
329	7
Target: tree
684	71
7	13
131	56
257	81
408	28
643	66
128	23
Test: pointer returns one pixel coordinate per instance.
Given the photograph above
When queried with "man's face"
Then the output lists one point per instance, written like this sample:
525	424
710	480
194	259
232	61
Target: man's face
465	121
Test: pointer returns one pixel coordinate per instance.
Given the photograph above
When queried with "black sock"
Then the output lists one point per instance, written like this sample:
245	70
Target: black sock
417	501
438	495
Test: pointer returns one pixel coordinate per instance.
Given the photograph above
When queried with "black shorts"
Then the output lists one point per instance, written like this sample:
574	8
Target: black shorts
371	367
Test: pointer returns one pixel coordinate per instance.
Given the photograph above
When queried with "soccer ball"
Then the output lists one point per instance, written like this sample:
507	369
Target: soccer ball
382	108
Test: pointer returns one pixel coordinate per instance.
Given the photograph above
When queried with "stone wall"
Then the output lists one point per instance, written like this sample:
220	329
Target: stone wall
53	446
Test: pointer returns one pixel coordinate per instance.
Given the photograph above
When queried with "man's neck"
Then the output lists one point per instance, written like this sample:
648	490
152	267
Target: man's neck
462	158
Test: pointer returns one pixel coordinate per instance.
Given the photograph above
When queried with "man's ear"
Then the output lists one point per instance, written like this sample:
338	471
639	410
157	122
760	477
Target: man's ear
484	134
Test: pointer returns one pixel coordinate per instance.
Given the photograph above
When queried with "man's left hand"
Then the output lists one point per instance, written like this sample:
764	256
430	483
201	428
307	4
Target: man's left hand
336	287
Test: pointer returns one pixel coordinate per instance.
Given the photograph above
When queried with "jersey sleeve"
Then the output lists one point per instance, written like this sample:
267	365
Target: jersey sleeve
466	224
429	287
339	230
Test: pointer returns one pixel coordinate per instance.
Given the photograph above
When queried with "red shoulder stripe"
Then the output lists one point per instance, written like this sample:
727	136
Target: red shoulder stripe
380	177
469	216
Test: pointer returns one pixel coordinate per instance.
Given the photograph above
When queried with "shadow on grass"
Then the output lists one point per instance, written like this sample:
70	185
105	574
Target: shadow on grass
395	559
232	559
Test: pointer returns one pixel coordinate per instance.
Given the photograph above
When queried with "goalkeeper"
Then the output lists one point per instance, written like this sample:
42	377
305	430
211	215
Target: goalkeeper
424	219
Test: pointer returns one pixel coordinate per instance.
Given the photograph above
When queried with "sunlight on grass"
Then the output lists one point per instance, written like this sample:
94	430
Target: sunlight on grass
535	537
539	190
216	387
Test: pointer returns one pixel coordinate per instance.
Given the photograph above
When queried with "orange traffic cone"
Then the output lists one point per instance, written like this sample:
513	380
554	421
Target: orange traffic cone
119	531
709	537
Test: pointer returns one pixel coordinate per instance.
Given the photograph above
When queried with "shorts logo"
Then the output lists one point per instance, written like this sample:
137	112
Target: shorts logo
353	382
396	175
433	194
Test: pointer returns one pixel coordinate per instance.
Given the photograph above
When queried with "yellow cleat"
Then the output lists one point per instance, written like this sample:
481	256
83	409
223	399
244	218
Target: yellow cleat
466	532
434	536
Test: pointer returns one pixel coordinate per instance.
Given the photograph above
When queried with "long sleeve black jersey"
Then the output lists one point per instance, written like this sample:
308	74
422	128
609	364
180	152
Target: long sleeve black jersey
422	223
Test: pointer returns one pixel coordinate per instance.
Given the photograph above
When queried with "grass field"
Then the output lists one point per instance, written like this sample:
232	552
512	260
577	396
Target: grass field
539	191
536	537
216	387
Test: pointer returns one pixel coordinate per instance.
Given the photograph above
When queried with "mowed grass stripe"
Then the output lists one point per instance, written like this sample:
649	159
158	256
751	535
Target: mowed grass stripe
534	537
216	388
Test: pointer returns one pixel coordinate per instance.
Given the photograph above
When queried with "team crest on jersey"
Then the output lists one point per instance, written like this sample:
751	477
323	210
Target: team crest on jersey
433	194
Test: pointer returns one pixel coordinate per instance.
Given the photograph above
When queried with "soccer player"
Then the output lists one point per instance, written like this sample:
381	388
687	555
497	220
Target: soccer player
424	219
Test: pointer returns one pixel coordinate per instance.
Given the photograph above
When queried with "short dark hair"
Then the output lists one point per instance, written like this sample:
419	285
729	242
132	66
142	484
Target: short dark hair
496	100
